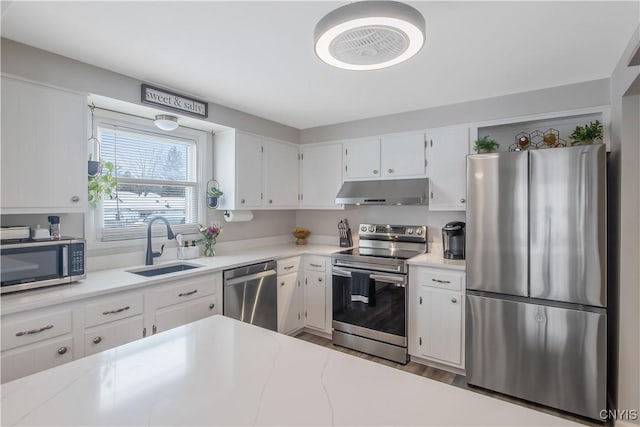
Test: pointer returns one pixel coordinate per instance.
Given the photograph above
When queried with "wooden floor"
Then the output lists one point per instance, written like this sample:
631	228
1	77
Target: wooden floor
444	377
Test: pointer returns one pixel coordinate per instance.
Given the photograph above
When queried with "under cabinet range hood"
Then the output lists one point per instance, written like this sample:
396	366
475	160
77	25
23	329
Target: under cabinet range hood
384	192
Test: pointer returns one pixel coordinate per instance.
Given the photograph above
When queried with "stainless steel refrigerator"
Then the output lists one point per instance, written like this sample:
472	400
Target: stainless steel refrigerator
536	276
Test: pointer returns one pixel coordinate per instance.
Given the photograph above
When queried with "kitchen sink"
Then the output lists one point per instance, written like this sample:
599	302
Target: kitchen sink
163	269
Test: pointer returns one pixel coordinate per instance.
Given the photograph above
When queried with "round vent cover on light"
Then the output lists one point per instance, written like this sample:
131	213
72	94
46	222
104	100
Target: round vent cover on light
369	35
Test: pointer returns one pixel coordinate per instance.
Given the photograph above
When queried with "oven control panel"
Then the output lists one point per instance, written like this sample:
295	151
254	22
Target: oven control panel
399	232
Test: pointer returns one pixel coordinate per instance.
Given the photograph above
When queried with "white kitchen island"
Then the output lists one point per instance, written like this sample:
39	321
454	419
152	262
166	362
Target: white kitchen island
218	371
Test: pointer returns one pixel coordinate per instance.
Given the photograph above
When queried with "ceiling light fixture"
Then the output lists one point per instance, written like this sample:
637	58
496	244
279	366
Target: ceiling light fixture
369	35
166	122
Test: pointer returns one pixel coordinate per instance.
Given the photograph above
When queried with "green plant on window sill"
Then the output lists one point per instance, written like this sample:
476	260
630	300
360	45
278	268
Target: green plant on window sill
102	185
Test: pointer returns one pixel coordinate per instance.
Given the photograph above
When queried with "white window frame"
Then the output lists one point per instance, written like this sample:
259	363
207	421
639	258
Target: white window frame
93	223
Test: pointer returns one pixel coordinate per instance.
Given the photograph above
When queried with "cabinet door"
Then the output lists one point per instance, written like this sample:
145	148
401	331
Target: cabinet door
362	158
30	359
447	154
403	155
290	299
320	175
315	299
248	171
280	174
440	325
44	149
112	334
186	312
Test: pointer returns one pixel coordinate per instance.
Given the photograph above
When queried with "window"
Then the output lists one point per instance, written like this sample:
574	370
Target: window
156	174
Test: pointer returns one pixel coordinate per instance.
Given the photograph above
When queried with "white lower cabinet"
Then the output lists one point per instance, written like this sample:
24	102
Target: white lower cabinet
290	296
180	314
436	315
112	334
26	360
317	292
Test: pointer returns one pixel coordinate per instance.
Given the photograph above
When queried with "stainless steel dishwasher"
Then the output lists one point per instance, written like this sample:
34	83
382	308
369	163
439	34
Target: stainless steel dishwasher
251	294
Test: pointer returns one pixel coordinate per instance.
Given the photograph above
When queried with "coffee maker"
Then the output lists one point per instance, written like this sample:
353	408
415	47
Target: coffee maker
453	240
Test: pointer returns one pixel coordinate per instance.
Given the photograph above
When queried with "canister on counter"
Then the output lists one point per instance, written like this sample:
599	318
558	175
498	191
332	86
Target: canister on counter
54	227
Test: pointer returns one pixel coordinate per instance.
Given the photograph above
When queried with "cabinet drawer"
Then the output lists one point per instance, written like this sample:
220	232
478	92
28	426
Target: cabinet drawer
27	331
25	361
315	263
440	279
288	265
181	314
185	291
112	309
112	335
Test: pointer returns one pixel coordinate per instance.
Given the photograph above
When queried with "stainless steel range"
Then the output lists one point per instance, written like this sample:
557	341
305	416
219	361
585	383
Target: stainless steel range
370	289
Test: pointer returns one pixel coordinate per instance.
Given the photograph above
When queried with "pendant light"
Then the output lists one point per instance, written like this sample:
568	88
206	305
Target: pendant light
166	122
369	35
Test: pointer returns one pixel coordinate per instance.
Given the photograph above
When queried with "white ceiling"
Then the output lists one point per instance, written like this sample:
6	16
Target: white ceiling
258	56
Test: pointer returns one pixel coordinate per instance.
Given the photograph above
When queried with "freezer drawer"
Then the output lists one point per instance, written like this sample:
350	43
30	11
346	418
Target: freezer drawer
550	355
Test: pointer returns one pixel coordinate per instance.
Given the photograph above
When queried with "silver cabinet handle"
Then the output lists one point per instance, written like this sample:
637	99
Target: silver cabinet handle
117	310
62	350
462	200
390	170
282	284
289	267
75	199
212	306
375	171
97	340
242	201
186	294
270	201
440	281
319	279
154	329
341	273
453	300
34	331
315	265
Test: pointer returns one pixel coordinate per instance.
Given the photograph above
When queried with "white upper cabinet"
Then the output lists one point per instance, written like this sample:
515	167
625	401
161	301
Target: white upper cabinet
399	155
320	175
44	149
403	155
362	159
280	162
255	172
447	151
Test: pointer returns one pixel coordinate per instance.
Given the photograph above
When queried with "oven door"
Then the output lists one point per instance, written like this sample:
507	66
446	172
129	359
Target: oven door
370	304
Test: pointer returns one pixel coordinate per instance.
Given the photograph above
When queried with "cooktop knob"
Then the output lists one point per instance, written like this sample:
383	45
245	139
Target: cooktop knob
371	228
409	230
419	231
363	228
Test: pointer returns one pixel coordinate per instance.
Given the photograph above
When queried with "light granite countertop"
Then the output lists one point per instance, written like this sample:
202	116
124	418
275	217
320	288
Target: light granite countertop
218	371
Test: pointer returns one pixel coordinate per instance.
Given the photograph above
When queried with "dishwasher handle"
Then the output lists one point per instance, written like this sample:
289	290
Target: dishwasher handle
242	279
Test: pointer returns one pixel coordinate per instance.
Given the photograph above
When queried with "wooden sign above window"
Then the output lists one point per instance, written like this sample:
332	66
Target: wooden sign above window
174	101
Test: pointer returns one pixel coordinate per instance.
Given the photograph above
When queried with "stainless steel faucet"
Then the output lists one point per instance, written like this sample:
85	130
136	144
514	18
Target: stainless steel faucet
150	253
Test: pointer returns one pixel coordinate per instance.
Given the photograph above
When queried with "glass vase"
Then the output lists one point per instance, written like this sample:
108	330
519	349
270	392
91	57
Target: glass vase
208	248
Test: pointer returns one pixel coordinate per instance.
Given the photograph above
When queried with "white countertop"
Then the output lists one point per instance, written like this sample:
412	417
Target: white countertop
218	371
120	279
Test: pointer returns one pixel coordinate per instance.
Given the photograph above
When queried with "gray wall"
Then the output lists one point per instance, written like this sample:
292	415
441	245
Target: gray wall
624	210
569	97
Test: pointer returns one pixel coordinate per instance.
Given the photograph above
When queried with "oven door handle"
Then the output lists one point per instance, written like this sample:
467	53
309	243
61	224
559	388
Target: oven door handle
342	273
400	281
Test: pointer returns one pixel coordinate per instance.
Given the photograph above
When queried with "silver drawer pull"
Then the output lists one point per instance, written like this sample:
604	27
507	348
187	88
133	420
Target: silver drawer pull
34	331
62	350
117	310
212	306
282	284
319	279
315	265
186	294
97	340
453	300
289	267
440	281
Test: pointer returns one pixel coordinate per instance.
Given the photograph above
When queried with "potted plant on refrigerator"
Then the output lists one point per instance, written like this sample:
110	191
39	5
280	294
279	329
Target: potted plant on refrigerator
485	145
587	134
